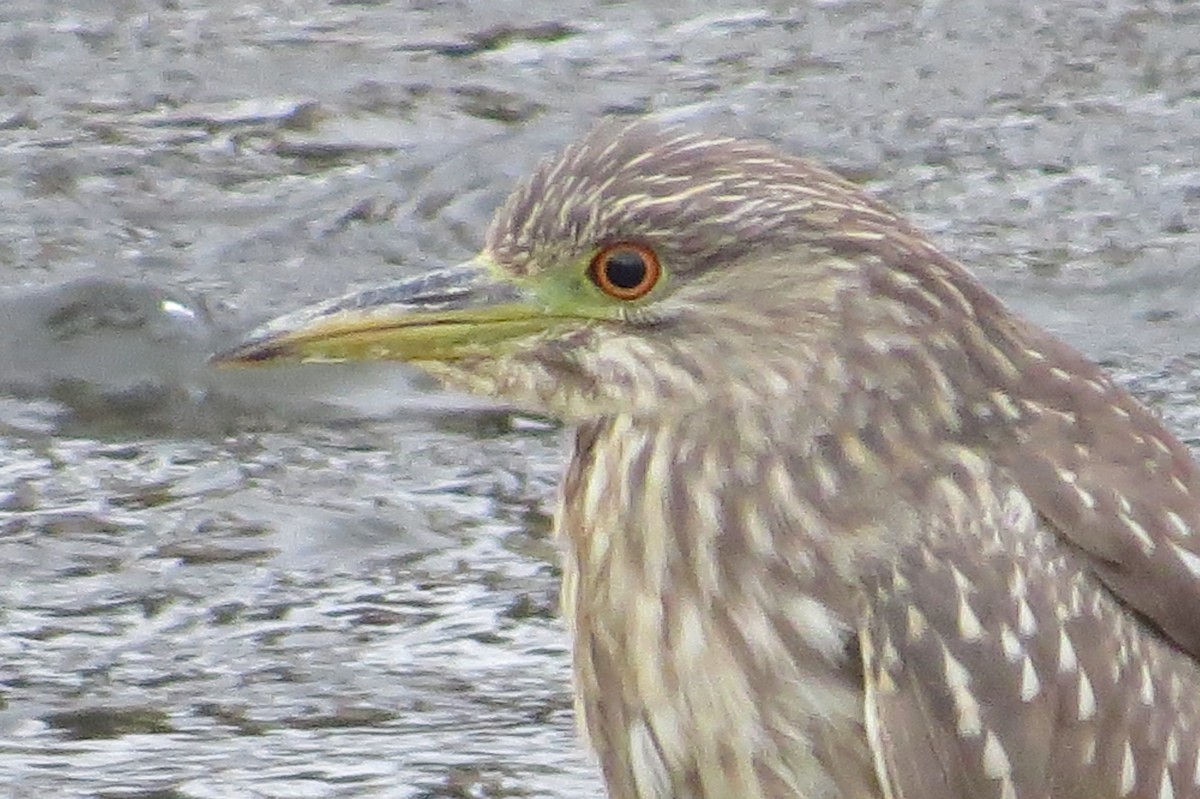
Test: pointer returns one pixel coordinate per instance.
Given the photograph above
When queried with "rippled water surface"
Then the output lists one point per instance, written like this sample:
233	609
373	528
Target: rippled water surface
337	582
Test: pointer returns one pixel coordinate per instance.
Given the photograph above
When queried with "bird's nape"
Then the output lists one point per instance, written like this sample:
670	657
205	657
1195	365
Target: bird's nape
837	523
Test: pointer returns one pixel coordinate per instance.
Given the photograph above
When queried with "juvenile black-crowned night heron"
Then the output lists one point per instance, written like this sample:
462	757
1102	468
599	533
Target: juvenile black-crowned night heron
837	523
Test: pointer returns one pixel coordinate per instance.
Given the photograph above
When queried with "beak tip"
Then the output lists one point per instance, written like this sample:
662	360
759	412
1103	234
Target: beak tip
249	354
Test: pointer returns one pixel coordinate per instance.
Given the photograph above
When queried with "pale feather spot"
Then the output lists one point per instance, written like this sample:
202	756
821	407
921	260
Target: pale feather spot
877	342
958	679
1146	690
929	297
1087	698
889	656
756	528
1067	662
969	627
683	451
1089	749
1166	789
821	628
1018	512
1030	685
875	732
1071	478
1006	406
596	489
952	497
776	382
650	774
783	487
917	624
705	565
691	637
655	559
1189	559
1011	372
1139	532
1182	529
641	201
632	162
826	480
995	760
1017	586
961	581
756	626
1026	623
855	453
1128	771
956	294
688	141
646	624
1011	644
1067	417
1033	407
902	279
1061	374
973	462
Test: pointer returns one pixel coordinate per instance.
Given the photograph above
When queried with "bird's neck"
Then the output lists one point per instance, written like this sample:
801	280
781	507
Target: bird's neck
696	545
728	503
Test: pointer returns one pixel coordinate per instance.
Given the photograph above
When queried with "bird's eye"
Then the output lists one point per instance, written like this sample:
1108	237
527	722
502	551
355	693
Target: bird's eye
625	271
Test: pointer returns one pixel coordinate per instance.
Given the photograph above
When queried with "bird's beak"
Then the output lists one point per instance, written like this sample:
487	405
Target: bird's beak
445	315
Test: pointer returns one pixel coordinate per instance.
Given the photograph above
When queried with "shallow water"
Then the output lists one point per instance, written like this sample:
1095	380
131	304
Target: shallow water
337	582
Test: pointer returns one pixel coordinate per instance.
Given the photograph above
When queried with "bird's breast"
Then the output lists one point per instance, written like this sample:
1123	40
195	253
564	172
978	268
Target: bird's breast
714	645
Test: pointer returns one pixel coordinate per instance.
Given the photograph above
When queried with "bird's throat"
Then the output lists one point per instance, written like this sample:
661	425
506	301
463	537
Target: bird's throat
676	576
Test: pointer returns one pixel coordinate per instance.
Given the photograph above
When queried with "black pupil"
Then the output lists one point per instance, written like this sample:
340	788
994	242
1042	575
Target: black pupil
625	269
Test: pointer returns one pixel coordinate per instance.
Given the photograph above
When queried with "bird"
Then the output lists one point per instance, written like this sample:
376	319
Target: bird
836	523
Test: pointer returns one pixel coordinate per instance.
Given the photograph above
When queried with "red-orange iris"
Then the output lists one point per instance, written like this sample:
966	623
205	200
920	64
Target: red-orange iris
625	271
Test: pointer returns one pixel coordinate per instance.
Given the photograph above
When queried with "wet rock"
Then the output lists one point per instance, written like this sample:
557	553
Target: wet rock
91	723
497	105
103	347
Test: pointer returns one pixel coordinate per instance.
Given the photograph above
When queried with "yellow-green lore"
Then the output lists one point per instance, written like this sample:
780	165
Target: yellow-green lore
837	524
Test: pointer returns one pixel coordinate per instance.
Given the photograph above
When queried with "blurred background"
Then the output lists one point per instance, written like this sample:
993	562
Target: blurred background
337	582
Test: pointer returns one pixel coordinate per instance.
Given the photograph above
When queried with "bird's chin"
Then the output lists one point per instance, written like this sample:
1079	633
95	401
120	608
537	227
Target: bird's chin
520	385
